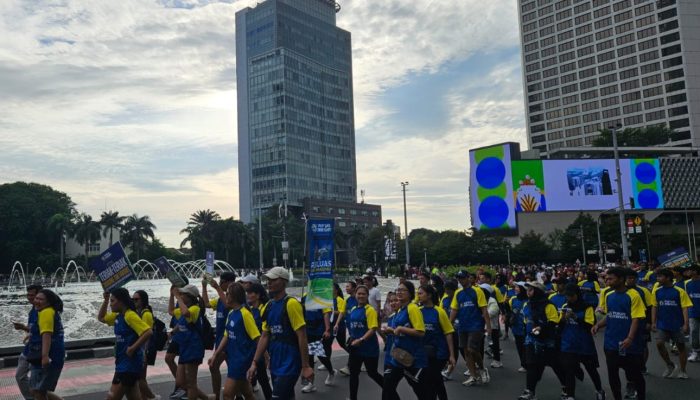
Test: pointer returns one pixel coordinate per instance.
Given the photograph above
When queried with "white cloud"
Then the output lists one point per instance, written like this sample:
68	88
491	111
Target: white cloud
133	101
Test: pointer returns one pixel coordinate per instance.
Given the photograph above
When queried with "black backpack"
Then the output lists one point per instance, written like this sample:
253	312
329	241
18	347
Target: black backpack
207	332
160	335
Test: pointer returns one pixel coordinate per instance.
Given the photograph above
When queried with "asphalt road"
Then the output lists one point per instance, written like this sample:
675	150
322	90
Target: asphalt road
506	383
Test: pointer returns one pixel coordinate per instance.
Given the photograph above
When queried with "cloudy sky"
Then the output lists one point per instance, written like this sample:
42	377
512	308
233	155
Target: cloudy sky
131	105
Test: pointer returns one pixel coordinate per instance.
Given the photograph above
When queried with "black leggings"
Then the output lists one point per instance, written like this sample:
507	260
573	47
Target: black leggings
354	364
342	338
632	365
570	363
327	347
537	361
416	378
520	346
264	380
496	344
434	380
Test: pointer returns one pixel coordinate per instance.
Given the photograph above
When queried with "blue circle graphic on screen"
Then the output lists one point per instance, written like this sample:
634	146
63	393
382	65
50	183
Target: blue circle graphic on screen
645	173
490	172
493	212
648	198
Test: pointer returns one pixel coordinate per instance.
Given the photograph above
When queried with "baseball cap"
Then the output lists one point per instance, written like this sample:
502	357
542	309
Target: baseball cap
250	278
536	285
462	274
521	283
277	273
486	286
190	289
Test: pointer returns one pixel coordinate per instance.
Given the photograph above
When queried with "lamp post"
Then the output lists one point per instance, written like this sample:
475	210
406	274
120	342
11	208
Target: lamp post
621	212
425	257
405	223
260	249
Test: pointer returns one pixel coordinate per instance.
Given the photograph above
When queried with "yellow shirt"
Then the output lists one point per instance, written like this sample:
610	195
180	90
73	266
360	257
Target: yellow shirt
147	317
249	323
46	319
340	302
194	313
444	320
132	320
416	317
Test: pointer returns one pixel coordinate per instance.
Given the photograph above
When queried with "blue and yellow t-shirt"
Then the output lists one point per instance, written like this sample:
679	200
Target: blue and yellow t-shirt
411	316
558	300
242	333
621	308
516	307
360	320
670	302
315	322
469	303
188	336
590	291
285	358
551	314
576	334
128	327
693	289
437	325
48	321
31	321
221	314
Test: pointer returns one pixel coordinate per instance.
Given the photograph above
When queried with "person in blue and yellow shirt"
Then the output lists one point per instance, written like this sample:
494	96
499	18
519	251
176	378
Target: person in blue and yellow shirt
257	300
669	316
590	288
23	366
644	329
131	336
47	350
517	322
408	330
363	323
188	335
318	329
693	289
238	345
437	340
469	306
285	334
577	346
624	347
558	298
221	308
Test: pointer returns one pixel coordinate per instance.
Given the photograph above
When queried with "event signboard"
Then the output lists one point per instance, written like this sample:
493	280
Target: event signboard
321	258
491	188
113	268
166	269
677	258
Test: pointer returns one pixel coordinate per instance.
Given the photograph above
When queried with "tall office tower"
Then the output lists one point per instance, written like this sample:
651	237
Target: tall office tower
296	131
591	64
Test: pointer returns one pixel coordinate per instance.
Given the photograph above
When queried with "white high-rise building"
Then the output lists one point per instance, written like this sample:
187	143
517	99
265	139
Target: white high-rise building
592	64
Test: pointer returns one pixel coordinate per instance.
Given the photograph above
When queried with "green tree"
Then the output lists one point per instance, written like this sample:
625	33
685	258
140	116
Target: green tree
61	225
137	231
531	249
111	220
635	137
25	209
86	231
200	231
571	249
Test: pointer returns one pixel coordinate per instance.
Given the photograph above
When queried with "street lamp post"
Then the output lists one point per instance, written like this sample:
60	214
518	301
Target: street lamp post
260	249
375	258
621	212
405	223
425	257
583	245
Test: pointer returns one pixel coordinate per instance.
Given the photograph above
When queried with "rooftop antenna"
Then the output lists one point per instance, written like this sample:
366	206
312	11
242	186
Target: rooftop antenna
362	195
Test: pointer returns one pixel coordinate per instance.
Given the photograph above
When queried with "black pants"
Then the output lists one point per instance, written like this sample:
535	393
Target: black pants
434	380
328	348
570	363
520	346
342	338
355	364
264	380
496	344
415	377
632	365
536	363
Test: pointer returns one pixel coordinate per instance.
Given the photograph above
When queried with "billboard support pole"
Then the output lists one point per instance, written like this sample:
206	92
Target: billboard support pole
621	212
583	245
687	226
601	252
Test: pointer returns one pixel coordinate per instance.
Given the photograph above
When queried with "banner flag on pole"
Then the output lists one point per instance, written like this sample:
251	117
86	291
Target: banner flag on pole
321	257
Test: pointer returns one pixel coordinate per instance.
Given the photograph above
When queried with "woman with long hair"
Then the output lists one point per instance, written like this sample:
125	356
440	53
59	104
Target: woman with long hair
363	323
517	322
408	329
131	335
339	324
238	344
257	300
437	341
145	311
188	337
46	346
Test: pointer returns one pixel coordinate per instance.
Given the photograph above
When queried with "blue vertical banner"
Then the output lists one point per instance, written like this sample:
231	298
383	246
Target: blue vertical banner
209	263
321	258
113	268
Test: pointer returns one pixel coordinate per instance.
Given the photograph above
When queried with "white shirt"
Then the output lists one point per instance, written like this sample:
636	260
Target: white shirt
375	297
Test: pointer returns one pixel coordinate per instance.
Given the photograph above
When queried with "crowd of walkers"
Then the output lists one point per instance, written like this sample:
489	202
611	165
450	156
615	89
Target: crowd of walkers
269	339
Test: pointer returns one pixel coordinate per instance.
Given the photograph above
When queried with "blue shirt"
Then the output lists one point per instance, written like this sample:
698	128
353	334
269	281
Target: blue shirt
693	290
360	320
576	334
315	325
558	300
125	336
221	314
389	343
31	321
670	302
590	290
411	316
518	326
621	308
241	331
57	353
550	314
469	302
188	335
285	357
437	325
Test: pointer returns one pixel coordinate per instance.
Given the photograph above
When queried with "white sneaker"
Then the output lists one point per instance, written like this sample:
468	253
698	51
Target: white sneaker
256	388
485	376
522	370
345	371
472	381
321	367
682	375
496	364
308	388
363	369
527	395
446	375
669	371
330	378
693	357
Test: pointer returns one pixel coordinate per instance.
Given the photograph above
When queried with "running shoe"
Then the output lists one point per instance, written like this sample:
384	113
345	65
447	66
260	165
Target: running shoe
693	357
485	376
345	371
600	395
177	394
630	393
308	388
669	371
466	373
321	367
682	375
527	395
472	381
522	370
446	376
330	378
496	364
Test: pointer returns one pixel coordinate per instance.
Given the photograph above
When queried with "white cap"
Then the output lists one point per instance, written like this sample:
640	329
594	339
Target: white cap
487	287
521	283
277	273
190	289
250	278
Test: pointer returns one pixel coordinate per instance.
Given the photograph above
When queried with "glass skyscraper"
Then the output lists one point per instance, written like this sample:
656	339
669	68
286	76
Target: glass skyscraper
296	133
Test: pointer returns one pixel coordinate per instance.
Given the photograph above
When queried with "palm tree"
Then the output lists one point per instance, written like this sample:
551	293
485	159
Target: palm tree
137	230
85	232
111	220
194	238
61	225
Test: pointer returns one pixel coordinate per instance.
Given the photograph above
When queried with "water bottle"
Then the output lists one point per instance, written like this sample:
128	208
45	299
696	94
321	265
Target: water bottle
621	350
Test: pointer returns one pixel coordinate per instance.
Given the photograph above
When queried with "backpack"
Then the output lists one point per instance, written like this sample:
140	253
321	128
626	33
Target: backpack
207	332
160	335
284	320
